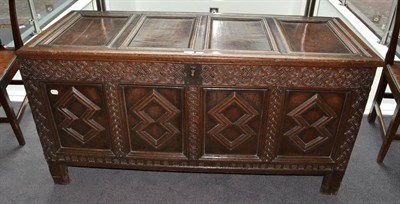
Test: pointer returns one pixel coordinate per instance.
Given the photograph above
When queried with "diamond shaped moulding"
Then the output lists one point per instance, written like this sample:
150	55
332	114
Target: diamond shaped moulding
316	105
64	104
237	125
165	130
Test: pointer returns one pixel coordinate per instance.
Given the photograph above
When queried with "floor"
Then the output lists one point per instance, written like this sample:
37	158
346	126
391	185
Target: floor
24	178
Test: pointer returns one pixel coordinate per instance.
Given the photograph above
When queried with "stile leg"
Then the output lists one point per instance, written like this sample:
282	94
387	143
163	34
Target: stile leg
378	98
390	134
9	110
59	172
22	108
331	183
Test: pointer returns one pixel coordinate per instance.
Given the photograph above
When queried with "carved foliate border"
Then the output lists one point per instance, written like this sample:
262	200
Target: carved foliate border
42	122
274	110
159	73
352	127
171	73
132	163
114	112
193	107
234	75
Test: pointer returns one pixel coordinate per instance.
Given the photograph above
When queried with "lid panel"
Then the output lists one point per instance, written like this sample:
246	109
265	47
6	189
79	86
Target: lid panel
91	31
164	32
239	34
315	37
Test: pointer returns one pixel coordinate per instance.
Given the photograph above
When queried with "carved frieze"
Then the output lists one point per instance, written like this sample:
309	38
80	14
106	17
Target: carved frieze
155	73
244	75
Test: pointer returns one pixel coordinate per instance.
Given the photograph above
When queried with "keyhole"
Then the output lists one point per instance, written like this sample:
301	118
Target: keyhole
192	72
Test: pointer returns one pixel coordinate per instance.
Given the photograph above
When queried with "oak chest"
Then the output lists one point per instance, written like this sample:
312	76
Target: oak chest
198	92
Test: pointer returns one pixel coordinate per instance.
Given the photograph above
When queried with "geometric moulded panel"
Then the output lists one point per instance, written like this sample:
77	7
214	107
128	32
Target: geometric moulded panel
237	124
65	106
154	118
311	122
232	122
79	115
326	115
155	127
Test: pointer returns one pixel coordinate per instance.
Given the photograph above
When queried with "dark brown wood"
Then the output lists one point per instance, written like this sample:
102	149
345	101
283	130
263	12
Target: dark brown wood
390	76
81	32
59	172
7	71
22	108
310	113
331	183
232	122
228	34
4	120
379	95
390	55
308	37
193	92
12	118
179	37
17	82
155	119
388	95
390	135
6	56
14	25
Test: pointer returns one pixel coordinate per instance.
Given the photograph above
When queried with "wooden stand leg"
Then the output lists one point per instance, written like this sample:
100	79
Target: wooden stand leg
331	183
59	172
378	98
390	134
8	109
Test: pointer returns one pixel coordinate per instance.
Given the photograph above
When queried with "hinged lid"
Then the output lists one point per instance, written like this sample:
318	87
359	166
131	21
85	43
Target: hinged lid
200	37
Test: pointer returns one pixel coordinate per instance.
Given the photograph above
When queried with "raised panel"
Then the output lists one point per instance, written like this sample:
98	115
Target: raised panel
232	120
311	123
164	32
80	116
154	119
246	34
82	32
314	37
